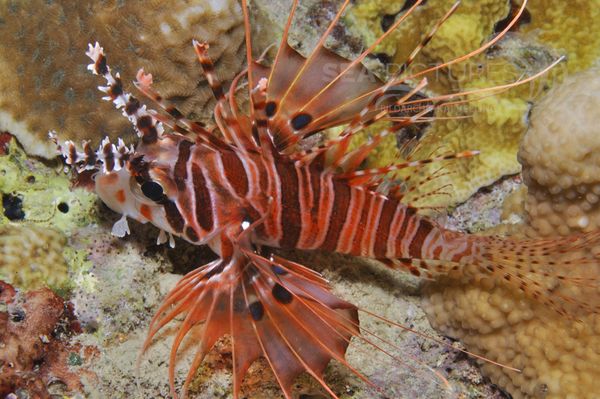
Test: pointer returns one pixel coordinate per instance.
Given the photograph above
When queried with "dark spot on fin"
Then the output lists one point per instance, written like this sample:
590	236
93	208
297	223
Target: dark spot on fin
90	154
256	310
132	106
72	154
148	130
300	121
281	294
116	89
144	122
109	157
270	108
279	270
174	112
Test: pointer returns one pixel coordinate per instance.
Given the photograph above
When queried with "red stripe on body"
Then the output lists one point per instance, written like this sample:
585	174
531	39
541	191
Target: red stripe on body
180	169
311	228
235	173
370	233
290	205
415	248
386	219
362	225
341	203
352	220
185	195
269	184
203	202
306	197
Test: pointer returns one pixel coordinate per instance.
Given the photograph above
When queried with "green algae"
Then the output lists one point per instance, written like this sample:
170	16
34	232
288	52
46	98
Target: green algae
43	187
34	242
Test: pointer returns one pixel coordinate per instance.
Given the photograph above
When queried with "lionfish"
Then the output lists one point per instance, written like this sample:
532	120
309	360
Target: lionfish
251	183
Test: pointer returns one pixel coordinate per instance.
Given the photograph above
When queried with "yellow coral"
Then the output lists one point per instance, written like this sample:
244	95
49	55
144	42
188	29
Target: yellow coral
558	358
31	256
568	26
43	81
44	195
561	158
495	125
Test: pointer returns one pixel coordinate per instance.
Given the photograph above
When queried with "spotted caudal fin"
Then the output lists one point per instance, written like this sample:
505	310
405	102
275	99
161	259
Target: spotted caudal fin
563	274
268	309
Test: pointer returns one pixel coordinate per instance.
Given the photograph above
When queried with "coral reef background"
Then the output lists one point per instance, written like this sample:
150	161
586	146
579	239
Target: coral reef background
558	357
38	359
564	196
494	124
55	234
44	84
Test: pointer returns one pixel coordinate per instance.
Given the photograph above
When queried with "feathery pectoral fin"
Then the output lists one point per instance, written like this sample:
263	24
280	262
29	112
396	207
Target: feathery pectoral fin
269	309
301	102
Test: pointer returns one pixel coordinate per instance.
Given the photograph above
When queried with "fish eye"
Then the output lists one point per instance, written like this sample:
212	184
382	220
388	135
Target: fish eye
152	190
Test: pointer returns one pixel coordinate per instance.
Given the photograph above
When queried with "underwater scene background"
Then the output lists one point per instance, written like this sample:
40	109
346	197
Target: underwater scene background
76	301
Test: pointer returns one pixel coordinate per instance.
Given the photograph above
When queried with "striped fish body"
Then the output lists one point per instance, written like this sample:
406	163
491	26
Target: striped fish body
302	207
316	210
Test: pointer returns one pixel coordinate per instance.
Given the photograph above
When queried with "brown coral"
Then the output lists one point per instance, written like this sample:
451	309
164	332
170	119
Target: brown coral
34	331
44	84
559	358
561	158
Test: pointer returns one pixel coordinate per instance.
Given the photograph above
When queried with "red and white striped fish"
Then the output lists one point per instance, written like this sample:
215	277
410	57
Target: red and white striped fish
246	185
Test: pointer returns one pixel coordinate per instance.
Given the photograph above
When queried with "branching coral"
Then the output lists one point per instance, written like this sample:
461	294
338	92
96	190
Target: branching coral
494	125
559	357
561	158
44	84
